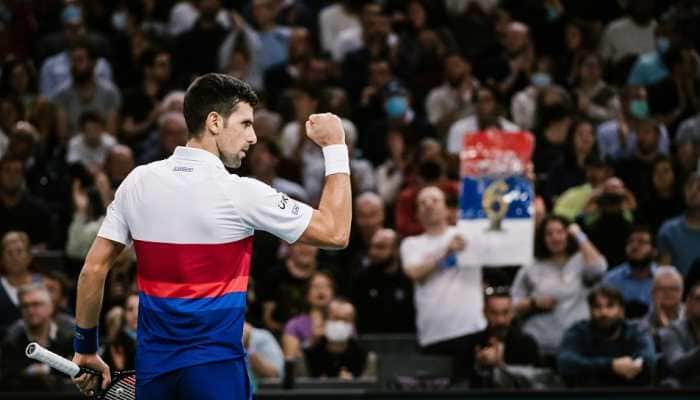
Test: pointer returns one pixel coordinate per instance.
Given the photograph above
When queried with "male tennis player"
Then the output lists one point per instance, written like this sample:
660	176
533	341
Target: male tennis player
192	224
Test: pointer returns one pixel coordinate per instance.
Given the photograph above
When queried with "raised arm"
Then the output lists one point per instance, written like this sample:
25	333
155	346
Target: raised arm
330	223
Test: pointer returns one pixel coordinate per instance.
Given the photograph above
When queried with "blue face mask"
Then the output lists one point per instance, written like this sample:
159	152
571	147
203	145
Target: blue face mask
541	79
396	107
662	44
119	21
639	109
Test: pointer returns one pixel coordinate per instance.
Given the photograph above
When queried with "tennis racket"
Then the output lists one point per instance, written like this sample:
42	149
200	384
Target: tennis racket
122	387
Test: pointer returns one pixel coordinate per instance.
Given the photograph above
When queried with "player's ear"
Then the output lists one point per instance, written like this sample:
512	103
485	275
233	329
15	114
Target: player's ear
214	123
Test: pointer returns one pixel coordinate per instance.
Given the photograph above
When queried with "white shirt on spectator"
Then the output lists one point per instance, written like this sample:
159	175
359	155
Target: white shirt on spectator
449	302
469	125
623	37
331	21
184	15
80	152
446	99
523	107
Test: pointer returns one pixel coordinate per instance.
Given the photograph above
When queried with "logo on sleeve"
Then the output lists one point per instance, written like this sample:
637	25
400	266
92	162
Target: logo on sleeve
283	201
295	209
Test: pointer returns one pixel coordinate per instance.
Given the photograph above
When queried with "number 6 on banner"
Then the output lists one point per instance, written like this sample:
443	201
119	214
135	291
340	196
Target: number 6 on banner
122	387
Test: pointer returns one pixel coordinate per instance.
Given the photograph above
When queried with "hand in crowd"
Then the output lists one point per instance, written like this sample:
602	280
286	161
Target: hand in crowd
491	355
543	303
457	244
627	367
80	198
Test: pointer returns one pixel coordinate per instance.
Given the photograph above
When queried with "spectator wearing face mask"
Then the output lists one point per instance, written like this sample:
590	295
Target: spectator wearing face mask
337	354
634	278
617	138
606	350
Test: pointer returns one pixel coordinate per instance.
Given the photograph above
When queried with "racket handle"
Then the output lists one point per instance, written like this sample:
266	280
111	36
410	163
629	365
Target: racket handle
48	357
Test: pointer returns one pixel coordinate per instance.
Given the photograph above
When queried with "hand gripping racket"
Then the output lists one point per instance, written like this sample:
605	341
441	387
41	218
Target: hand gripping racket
122	387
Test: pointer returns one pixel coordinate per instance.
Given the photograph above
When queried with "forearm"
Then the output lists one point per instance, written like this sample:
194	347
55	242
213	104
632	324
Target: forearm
90	292
261	367
336	208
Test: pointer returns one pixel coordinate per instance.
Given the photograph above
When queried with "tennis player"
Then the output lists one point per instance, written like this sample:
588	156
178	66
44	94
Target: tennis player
191	224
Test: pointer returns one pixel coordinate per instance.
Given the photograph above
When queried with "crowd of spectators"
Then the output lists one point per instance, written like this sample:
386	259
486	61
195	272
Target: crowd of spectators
89	90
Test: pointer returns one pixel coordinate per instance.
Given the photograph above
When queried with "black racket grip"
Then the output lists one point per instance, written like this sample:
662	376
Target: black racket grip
90	371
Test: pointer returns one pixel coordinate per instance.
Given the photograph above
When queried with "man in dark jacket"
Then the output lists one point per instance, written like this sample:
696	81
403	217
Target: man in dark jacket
680	344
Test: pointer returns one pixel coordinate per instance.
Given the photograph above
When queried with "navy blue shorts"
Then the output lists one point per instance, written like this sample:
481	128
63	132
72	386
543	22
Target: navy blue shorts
221	380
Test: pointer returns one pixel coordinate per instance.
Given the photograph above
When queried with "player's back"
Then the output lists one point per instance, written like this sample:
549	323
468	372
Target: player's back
193	255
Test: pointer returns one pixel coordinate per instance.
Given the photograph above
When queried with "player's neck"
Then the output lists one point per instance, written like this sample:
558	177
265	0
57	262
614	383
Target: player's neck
204	142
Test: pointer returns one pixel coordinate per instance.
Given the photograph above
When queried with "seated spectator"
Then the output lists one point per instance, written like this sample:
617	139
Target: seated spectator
91	144
390	174
265	356
679	237
501	343
453	99
667	296
171	132
630	35
550	294
337	354
607	350
18	372
570	171
19	210
525	103
282	292
637	169
609	218
573	201
119	350
634	278
382	293
680	344
60	289
594	98
16	261
448	298
303	330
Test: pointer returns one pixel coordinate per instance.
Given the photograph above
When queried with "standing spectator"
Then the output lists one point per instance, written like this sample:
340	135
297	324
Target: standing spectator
607	350
665	200
197	47
593	97
570	171
447	293
381	291
679	237
337	354
501	343
273	37
488	115
55	71
304	330
680	344
634	278
550	294
631	35
85	92
90	145
335	18
142	102
18	372
19	210
667	296
453	99
16	260
609	218
617	138
284	288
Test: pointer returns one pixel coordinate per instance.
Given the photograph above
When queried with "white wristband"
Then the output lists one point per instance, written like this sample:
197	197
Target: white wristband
336	159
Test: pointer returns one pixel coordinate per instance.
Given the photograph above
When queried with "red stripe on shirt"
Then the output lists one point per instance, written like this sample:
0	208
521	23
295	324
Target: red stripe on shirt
192	290
193	263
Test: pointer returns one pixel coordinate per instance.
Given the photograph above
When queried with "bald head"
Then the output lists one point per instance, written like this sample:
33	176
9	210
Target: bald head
432	207
369	214
382	248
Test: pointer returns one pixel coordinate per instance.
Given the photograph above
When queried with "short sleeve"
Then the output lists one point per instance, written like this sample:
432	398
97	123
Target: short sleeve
664	239
410	258
264	208
114	226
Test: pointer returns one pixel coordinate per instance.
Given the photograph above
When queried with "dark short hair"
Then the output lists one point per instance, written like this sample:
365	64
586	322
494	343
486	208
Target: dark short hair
606	291
62	280
84	43
214	92
541	249
642	228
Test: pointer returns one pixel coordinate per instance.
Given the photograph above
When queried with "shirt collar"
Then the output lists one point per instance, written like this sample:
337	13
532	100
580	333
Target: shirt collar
195	154
627	269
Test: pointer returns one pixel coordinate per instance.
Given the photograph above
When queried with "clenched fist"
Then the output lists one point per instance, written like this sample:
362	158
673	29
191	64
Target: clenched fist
325	129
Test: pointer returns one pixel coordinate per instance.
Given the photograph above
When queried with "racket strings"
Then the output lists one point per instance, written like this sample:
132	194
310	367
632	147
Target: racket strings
124	389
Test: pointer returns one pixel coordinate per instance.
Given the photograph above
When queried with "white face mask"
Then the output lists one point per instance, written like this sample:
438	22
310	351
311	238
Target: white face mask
338	331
